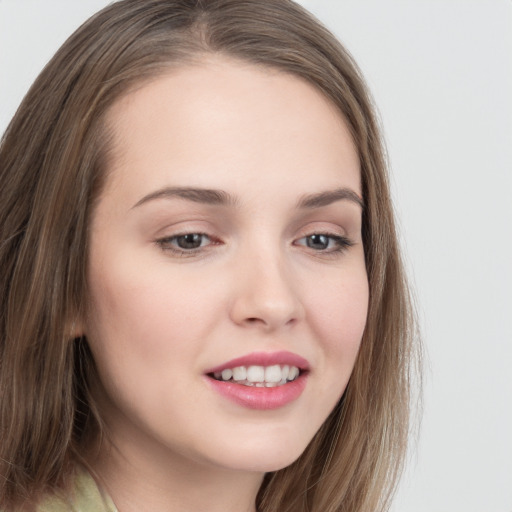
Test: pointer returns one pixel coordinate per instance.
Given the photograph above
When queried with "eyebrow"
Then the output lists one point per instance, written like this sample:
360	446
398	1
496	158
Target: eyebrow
328	197
196	195
223	198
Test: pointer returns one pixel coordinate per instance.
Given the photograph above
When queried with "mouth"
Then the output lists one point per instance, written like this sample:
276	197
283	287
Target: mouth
259	376
261	380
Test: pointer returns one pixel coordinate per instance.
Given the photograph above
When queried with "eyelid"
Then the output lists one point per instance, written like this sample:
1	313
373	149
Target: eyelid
320	228
342	242
165	243
335	228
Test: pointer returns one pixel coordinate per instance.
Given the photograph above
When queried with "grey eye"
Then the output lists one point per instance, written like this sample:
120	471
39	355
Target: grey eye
325	243
318	242
190	240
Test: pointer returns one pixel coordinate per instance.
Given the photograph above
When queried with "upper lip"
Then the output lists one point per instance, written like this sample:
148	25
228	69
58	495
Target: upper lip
264	359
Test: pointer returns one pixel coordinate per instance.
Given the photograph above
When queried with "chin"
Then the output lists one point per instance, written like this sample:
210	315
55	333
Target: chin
261	455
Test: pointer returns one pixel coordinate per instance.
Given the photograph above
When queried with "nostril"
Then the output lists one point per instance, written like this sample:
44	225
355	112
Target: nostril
254	320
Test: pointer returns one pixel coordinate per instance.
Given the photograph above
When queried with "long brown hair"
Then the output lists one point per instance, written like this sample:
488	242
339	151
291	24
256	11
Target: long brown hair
53	157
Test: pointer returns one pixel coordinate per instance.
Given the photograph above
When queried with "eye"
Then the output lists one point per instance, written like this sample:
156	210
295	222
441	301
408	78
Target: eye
190	240
185	243
325	242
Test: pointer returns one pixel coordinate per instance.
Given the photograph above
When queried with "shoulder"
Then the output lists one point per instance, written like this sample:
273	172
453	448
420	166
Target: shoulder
85	496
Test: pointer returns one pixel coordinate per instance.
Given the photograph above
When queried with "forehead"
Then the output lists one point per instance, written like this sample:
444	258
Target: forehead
225	123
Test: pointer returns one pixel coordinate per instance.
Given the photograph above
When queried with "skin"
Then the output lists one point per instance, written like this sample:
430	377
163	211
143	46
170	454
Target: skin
159	319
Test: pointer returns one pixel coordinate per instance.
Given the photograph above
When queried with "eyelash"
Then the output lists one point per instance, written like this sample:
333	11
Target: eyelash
166	244
341	244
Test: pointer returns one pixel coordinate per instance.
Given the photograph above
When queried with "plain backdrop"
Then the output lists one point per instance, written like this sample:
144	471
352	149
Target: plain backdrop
441	74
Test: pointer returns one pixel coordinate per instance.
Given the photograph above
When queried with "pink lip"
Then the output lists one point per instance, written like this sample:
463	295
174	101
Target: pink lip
261	398
264	359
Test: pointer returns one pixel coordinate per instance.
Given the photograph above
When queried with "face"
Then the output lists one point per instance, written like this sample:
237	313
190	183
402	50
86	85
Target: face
228	289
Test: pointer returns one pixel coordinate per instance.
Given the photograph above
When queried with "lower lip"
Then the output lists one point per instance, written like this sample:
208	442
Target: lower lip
260	398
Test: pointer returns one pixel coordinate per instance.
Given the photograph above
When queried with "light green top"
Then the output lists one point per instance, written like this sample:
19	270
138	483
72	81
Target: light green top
86	496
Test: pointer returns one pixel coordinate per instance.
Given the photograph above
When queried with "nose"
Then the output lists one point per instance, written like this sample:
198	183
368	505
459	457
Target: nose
266	295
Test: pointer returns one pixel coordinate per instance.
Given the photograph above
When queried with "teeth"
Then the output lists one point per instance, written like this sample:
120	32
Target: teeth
259	376
273	373
240	373
227	374
294	373
256	374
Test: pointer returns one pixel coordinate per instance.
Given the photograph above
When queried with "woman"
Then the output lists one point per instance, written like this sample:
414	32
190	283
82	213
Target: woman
203	303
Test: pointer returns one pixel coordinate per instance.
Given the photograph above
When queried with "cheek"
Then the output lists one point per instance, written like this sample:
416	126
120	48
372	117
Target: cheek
338	316
141	318
339	312
146	330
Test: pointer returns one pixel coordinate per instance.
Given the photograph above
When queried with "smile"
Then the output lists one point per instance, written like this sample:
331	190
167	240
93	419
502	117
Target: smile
259	376
261	380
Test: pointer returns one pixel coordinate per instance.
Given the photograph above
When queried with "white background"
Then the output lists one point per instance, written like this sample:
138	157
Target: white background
441	73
